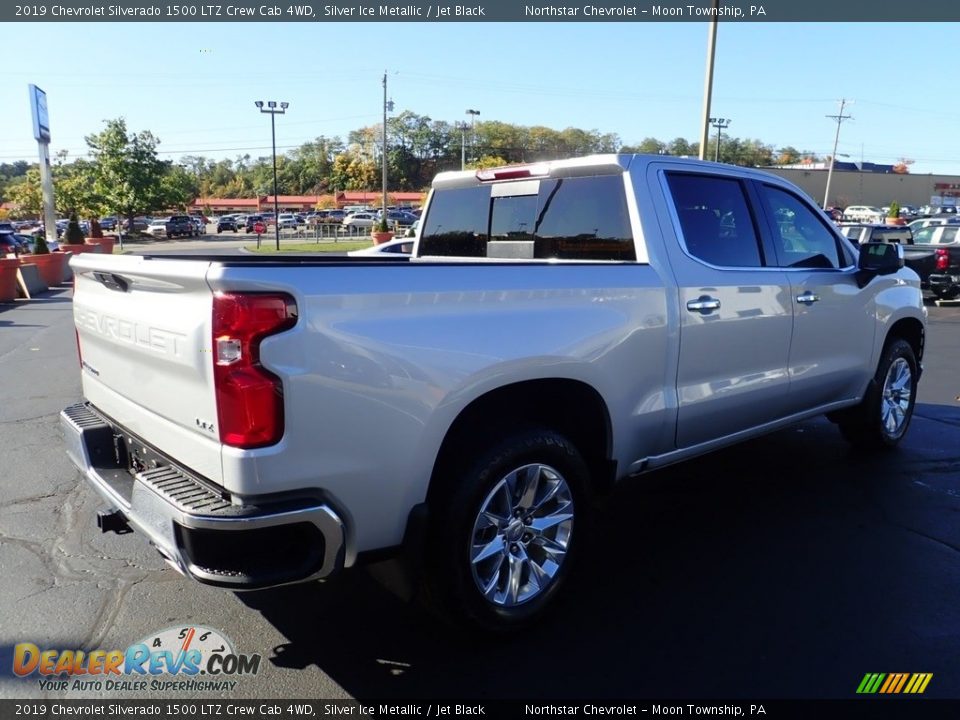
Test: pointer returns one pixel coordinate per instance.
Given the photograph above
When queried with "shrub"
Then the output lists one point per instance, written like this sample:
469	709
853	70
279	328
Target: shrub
73	234
40	246
894	211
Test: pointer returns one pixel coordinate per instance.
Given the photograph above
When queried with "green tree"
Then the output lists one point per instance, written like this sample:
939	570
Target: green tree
179	187
26	194
127	173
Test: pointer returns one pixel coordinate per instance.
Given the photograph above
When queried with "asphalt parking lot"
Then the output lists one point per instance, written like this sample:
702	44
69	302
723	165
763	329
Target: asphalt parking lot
789	566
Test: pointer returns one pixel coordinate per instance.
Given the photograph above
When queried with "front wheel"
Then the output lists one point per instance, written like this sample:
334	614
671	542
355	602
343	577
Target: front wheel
882	418
502	541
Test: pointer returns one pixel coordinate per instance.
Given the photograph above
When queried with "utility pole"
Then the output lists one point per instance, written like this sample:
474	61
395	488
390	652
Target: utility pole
840	117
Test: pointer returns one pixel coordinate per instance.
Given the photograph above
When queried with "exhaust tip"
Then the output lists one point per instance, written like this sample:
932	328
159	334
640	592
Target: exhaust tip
113	521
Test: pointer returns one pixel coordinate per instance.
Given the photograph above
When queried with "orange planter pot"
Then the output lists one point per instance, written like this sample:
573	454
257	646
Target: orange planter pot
77	249
8	279
381	237
106	243
50	267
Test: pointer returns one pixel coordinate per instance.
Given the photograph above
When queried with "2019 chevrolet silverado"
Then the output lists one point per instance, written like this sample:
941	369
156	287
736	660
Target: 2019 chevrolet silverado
560	328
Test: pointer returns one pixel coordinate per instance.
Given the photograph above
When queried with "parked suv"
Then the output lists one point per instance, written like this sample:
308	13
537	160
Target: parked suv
253	220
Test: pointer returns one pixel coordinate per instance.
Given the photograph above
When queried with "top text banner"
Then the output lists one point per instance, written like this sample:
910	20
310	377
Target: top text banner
484	11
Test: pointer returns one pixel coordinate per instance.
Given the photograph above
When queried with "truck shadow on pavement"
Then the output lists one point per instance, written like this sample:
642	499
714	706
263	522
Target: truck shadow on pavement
788	566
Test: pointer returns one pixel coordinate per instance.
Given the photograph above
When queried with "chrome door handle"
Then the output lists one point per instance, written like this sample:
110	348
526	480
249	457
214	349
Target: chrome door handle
703	304
808	298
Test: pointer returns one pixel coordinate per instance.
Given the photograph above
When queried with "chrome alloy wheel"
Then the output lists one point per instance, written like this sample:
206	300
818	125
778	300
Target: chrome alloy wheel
521	535
897	392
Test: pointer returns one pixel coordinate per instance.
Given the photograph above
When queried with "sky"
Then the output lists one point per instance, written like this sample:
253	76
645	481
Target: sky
194	85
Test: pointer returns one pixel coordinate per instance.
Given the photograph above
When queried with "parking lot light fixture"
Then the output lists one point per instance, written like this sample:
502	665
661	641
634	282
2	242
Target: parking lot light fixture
272	109
473	133
720	124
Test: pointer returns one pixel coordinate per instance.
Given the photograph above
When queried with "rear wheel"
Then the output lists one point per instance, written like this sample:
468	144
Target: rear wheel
502	540
882	418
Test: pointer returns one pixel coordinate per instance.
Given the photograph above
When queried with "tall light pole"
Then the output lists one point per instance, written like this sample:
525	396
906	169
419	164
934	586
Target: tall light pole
473	135
462	127
720	124
274	111
708	81
387	105
833	158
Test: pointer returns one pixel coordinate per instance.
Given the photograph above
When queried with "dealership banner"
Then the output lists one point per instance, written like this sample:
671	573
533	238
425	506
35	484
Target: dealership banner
874	709
481	11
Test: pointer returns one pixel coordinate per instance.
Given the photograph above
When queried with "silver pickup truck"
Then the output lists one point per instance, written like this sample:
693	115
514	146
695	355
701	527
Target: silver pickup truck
561	327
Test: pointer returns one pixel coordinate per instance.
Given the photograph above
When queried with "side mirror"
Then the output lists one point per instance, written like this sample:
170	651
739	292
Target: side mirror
882	258
878	258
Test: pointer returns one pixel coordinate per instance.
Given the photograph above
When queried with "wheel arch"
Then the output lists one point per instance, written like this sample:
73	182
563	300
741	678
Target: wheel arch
910	329
571	407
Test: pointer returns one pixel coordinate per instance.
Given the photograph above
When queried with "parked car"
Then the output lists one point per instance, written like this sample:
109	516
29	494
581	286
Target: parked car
30	242
200	223
396	247
108	223
10	243
945	234
226	223
157	227
863	214
253	220
359	220
398	217
287	220
834	213
927	222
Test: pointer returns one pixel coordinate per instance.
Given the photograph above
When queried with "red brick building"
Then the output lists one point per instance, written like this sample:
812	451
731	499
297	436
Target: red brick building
299	203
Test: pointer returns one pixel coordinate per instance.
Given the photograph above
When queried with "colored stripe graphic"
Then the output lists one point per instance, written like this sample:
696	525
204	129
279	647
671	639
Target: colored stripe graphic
894	683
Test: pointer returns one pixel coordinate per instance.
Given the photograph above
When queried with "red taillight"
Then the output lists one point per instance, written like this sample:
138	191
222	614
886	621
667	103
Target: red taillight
249	398
943	259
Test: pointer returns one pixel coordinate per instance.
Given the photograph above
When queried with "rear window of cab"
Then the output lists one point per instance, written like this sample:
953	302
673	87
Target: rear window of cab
577	218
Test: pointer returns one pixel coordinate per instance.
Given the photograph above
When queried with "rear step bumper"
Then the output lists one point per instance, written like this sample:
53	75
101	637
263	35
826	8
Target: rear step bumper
198	531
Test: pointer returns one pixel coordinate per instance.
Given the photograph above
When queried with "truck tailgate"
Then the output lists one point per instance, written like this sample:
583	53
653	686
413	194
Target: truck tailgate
144	329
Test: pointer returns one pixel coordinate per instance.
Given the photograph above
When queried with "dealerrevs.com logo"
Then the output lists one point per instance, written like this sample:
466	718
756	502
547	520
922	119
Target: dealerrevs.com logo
174	660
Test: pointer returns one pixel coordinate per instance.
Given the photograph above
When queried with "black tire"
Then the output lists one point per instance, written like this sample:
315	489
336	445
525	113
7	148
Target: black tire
882	419
539	458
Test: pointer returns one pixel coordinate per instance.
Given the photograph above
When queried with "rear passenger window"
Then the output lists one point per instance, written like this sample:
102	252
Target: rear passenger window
715	220
579	218
801	238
